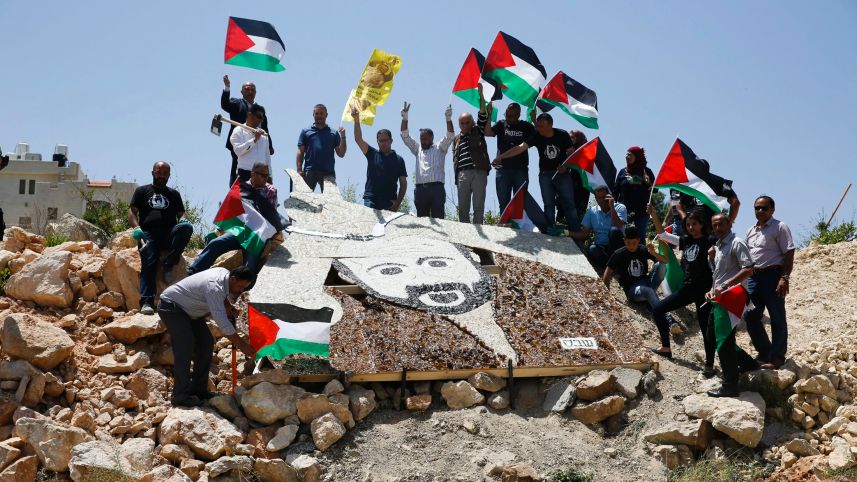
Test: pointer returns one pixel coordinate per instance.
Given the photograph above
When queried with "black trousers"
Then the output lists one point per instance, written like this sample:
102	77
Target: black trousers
192	341
233	173
732	358
429	199
684	296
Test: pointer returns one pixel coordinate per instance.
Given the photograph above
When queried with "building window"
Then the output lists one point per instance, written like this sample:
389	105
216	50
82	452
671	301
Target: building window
32	186
25	221
52	214
22	186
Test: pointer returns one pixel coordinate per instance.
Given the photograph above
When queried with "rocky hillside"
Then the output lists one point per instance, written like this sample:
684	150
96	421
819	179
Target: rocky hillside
85	382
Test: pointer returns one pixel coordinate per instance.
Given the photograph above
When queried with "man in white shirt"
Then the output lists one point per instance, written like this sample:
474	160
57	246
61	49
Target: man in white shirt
250	143
429	193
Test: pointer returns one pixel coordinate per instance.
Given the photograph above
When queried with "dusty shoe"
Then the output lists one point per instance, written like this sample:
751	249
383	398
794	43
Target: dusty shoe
190	401
147	309
676	329
724	391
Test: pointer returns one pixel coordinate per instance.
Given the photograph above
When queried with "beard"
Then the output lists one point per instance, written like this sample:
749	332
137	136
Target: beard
159	182
449	298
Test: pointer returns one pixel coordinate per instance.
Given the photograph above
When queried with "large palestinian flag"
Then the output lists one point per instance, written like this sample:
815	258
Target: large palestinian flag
466	85
280	330
524	213
728	310
684	171
253	44
674	275
238	217
516	68
594	164
571	97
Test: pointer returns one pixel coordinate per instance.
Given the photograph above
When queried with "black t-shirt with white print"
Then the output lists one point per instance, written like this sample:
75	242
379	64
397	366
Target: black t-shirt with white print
551	149
694	260
157	208
630	267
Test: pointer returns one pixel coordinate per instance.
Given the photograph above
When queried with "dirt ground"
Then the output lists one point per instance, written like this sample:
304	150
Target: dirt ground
435	446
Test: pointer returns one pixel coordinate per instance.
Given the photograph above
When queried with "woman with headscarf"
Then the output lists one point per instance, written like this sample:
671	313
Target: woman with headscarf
634	187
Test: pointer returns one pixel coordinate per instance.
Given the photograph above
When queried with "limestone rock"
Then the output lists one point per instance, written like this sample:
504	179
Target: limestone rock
5	257
559	396
76	229
326	430
266	403
697	433
781	379
598	411
834	425
283	438
127	269
818	384
650	383
22	470
111	299
418	403
275	470
148	384
308	468
44	281
132	459
313	406
175	453
674	456
841	457
486	382
109	364
362	401
595	385
742	418
226	405
166	473
275	377
801	448
333	387
206	433
192	468
129	329
259	439
8	454
51	441
499	400
460	394
40	343
627	381
519	472
238	463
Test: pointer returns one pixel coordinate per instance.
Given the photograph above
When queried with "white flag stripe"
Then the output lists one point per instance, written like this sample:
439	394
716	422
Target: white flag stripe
308	331
702	187
263	45
256	222
527	72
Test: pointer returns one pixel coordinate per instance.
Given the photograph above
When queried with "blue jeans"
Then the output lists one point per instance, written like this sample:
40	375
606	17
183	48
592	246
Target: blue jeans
645	289
217	247
762	288
641	221
150	247
560	186
508	180
599	254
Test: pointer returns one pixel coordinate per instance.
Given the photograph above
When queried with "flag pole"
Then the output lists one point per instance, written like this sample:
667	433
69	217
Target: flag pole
234	369
838	204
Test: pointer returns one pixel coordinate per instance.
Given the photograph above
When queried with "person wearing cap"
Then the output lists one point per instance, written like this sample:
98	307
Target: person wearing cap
634	188
773	253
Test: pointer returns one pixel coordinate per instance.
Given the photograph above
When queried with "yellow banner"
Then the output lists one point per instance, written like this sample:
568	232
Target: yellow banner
374	87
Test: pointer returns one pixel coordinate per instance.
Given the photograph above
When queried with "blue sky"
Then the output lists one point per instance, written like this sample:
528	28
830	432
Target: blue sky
765	90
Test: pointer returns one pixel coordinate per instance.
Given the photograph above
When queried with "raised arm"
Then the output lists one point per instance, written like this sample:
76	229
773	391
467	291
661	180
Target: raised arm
358	131
653	250
659	228
225	102
341	148
734	205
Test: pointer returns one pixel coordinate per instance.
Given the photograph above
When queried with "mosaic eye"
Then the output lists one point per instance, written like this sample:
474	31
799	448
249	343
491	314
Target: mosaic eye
391	270
438	263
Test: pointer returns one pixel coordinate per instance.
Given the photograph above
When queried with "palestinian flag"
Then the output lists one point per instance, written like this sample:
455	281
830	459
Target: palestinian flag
524	213
674	275
594	164
516	68
728	310
280	330
253	44
571	97
238	217
687	173
466	85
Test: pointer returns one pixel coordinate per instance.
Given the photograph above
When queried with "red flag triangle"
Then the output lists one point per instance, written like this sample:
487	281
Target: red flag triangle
232	205
236	41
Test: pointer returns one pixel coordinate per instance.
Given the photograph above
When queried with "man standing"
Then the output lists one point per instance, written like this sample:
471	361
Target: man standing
154	214
316	145
514	171
253	191
429	193
554	145
183	309
238	110
732	265
773	253
250	144
384	167
470	161
607	220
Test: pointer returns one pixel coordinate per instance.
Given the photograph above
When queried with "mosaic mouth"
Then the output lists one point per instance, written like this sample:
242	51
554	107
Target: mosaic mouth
443	298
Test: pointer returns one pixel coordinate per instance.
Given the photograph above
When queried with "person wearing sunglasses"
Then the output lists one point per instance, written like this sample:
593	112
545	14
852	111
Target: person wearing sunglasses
250	143
772	249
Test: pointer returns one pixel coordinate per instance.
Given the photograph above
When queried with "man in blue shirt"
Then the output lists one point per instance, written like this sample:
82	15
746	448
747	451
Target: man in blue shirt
384	167
316	146
606	220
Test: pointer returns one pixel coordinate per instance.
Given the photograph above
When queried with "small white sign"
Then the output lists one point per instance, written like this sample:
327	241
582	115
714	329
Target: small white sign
578	343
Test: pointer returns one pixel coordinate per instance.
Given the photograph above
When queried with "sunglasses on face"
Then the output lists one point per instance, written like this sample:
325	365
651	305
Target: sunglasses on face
761	208
263	174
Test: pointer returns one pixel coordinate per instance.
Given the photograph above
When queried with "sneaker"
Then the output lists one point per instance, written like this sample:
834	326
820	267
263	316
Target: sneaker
724	391
147	309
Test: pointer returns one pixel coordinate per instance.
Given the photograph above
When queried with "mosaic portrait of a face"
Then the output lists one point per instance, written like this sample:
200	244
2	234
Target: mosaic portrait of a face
423	273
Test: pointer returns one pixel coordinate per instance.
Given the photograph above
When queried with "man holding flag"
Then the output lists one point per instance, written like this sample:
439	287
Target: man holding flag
732	266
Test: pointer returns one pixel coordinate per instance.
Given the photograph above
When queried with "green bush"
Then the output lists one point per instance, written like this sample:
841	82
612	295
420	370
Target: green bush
55	239
837	233
727	469
4	276
111	216
570	474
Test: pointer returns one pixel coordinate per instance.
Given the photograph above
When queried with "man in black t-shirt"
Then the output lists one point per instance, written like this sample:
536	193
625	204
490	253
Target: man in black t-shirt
155	212
514	171
631	265
554	146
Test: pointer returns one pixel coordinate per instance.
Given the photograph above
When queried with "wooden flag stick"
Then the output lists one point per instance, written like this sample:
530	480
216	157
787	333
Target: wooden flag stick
238	124
234	369
839	204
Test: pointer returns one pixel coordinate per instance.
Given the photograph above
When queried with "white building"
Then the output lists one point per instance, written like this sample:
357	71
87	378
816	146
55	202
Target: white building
34	192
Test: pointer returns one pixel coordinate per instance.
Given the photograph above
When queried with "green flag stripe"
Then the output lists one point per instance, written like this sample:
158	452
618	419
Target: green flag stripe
722	324
471	96
589	122
255	60
249	240
674	274
284	347
692	192
517	89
